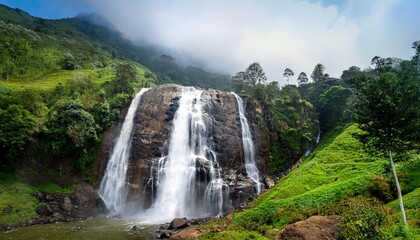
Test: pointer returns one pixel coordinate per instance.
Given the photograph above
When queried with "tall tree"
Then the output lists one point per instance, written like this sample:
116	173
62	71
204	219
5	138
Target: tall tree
288	73
302	78
318	72
416	46
245	81
255	74
387	108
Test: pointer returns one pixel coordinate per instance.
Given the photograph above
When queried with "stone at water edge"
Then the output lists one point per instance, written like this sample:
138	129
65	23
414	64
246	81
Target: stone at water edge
178	223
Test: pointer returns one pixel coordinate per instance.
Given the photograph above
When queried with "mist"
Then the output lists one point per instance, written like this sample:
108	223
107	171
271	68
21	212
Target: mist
226	36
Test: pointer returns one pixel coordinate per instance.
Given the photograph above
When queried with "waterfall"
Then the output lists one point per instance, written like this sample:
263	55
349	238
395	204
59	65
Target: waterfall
189	168
248	145
113	186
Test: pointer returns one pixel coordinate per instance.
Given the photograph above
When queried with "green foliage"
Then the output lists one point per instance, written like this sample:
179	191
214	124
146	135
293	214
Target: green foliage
126	74
380	187
402	232
234	235
302	78
409	174
337	169
248	80
353	71
295	118
53	188
71	129
318	72
16	126
362	220
412	208
332	105
292	121
17	203
387	110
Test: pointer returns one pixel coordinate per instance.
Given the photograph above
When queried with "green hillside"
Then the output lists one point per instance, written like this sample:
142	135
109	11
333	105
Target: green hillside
333	179
33	47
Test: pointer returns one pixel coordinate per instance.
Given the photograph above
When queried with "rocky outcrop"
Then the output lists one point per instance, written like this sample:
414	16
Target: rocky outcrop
152	126
313	228
82	203
150	140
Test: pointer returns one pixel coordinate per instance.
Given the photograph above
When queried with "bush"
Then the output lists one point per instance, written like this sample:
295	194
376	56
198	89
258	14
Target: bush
16	126
362	219
379	187
71	129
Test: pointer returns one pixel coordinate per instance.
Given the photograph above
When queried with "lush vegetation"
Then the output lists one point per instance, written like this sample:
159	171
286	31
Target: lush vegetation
290	121
346	174
32	47
334	179
64	82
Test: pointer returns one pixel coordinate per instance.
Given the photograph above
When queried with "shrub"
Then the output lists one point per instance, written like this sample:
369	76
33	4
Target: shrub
379	187
362	219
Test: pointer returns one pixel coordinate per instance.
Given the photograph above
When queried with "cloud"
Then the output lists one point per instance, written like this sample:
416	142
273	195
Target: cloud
229	35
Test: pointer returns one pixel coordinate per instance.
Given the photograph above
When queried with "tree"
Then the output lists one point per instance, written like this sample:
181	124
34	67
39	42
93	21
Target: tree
385	64
351	72
16	126
71	128
126	74
416	46
387	109
318	72
248	80
255	74
288	73
302	78
333	103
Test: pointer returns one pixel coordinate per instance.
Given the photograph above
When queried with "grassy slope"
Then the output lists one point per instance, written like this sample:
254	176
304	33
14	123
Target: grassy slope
50	81
337	168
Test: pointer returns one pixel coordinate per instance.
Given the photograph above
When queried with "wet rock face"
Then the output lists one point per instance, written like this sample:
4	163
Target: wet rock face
151	136
152	126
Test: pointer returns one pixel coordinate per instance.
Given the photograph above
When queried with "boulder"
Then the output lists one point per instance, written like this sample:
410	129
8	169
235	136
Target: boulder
190	233
178	223
313	228
269	182
44	210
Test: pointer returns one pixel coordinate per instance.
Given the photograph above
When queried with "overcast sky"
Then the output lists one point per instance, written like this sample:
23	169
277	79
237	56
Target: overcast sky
230	34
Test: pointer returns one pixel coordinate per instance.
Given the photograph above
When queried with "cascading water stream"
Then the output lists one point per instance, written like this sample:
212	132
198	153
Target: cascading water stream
248	145
189	147
113	185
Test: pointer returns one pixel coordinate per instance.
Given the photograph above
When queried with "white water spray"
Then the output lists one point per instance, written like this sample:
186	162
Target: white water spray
248	145
113	189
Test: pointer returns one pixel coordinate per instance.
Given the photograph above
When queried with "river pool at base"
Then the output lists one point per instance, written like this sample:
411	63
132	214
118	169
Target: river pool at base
91	229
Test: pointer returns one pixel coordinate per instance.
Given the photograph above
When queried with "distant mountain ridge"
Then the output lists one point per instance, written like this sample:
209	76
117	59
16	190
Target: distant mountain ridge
95	35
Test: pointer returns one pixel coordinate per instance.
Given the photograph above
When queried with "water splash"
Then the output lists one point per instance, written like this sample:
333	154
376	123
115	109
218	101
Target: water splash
248	145
113	189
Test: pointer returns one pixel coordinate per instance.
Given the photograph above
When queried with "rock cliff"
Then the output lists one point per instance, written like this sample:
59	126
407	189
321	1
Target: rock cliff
151	133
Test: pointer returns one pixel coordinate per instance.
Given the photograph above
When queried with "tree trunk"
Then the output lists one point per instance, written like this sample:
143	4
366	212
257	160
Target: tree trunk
400	200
